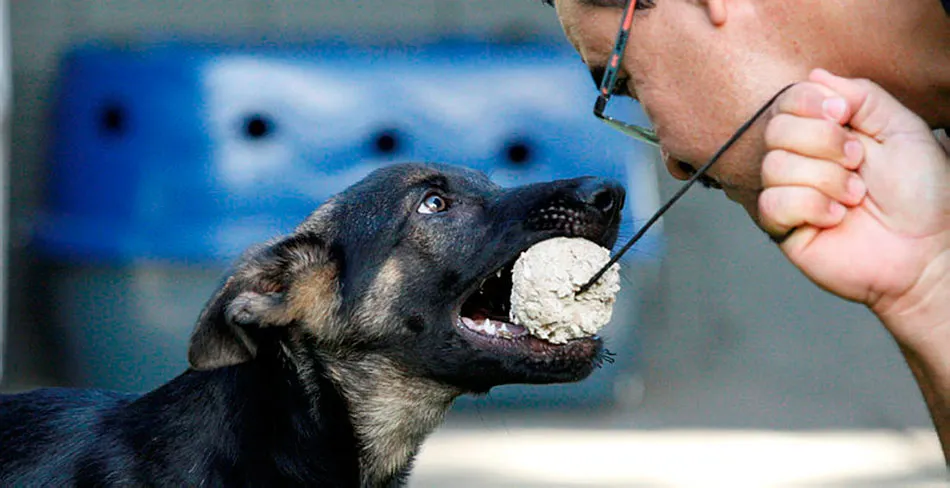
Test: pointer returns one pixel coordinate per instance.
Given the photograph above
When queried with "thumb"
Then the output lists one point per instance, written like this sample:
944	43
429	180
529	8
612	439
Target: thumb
876	113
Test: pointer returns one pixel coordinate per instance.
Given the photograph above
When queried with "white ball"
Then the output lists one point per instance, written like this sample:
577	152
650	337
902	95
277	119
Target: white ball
545	280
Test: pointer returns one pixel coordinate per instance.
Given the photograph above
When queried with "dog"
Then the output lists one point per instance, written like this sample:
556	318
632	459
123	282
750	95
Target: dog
328	355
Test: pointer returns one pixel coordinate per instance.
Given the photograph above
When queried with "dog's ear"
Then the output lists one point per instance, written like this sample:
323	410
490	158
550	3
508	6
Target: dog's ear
264	291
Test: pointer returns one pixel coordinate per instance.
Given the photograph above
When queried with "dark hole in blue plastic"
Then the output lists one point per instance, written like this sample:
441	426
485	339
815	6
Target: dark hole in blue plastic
386	142
258	126
112	119
518	152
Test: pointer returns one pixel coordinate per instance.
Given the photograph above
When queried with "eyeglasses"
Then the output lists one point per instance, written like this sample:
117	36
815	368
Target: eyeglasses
609	82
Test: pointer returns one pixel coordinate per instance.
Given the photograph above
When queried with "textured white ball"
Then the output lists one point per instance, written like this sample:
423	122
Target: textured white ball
545	280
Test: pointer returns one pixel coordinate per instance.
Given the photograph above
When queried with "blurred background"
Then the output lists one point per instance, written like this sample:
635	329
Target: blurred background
146	143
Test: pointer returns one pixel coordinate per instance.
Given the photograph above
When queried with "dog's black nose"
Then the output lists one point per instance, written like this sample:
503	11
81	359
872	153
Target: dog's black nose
602	194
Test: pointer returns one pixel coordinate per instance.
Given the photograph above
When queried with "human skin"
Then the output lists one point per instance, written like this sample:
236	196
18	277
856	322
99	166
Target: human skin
860	189
701	67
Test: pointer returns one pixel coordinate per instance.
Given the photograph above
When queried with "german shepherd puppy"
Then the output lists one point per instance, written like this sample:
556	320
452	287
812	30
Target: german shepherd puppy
327	356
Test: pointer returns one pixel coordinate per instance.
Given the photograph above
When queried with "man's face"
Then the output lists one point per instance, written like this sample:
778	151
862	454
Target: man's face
697	81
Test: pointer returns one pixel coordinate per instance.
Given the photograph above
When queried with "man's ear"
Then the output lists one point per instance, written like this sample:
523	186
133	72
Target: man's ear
257	295
717	11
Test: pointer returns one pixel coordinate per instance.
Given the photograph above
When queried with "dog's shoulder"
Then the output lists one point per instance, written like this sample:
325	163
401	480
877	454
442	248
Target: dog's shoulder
55	410
52	429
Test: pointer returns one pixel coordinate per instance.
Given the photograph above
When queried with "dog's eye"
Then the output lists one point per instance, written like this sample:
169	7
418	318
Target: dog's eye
433	203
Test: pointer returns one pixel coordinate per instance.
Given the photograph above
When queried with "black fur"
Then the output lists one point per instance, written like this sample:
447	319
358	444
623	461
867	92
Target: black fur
326	356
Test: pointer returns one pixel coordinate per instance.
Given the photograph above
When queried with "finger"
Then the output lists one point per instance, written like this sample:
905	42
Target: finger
782	168
783	208
815	138
875	112
813	100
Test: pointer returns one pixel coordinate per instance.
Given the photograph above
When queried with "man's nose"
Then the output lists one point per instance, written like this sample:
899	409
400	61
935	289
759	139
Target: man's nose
677	168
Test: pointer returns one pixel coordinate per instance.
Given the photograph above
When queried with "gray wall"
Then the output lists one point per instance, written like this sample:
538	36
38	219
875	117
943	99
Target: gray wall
734	336
742	339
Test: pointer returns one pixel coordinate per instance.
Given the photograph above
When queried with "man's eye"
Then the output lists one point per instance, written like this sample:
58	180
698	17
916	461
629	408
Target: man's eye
645	4
433	203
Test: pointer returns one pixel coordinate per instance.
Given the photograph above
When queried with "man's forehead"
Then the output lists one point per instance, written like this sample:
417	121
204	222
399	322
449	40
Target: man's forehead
590	28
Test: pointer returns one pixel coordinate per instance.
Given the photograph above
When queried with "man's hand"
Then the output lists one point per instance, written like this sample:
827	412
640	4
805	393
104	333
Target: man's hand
863	187
859	189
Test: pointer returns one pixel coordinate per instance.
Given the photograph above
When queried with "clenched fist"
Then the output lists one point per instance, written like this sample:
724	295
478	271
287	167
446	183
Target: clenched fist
858	188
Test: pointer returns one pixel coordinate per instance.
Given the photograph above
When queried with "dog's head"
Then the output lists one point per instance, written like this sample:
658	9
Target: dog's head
413	264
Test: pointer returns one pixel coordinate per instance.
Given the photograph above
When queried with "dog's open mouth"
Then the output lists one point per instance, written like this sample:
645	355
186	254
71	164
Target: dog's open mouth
486	310
484	318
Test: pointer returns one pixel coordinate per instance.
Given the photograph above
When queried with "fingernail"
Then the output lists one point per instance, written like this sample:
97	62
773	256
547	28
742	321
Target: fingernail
854	151
856	187
837	210
834	108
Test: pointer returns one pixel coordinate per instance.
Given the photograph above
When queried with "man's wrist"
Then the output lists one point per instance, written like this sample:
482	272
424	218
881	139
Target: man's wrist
920	323
920	319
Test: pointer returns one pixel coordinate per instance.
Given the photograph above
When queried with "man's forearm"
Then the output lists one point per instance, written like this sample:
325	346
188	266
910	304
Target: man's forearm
922	330
935	387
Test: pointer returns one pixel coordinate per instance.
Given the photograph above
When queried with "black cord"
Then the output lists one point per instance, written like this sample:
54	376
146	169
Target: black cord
679	193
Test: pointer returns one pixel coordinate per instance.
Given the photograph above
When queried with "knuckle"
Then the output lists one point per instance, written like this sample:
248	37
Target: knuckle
773	166
770	206
791	100
776	129
808	99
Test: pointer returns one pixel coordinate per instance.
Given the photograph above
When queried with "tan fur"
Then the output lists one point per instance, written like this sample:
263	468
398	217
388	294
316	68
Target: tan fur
314	298
392	412
374	314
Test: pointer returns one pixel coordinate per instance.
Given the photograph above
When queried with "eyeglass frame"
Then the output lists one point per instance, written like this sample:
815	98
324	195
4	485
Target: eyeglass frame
609	82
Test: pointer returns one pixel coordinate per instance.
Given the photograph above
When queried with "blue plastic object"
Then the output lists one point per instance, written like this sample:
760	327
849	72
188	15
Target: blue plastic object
194	153
169	160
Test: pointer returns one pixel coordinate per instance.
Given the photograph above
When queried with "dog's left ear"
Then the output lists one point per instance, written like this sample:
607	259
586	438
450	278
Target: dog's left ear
291	280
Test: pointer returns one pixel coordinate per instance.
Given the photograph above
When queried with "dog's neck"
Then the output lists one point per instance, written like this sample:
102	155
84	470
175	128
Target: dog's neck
287	426
392	414
293	407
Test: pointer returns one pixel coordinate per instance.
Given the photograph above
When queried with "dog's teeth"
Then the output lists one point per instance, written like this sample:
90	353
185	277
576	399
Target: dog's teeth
498	274
468	322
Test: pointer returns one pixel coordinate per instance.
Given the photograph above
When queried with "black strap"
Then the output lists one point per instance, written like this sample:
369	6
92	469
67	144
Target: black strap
946	5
